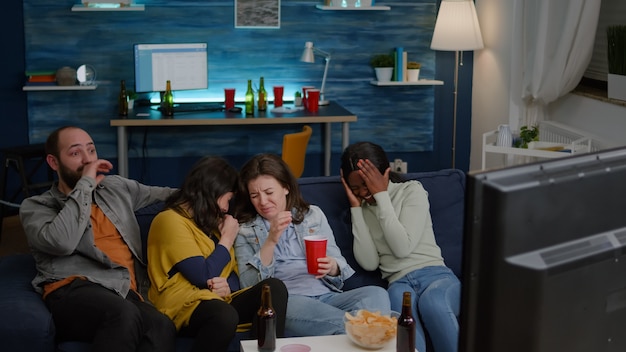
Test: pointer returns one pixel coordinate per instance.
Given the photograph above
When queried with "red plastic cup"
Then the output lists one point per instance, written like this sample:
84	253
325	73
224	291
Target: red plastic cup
315	248
304	95
313	99
229	98
278	96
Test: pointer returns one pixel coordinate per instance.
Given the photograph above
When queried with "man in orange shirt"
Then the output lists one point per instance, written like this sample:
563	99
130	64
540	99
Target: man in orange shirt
86	242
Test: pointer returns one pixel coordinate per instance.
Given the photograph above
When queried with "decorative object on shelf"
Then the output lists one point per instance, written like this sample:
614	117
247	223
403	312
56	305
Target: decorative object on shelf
413	71
527	135
86	75
383	66
616	55
131	98
308	55
257	14
456	29
505	137
66	76
106	3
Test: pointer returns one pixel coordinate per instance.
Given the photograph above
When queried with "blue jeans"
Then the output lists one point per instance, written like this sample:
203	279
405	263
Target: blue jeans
436	295
323	315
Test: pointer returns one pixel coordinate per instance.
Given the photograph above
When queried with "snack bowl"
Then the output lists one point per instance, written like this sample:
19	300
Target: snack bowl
371	330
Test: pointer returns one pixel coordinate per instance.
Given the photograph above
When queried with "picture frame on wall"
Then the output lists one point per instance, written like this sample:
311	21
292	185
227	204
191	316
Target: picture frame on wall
257	13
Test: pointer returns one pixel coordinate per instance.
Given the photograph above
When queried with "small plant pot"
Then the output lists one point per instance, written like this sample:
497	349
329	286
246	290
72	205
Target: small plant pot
131	104
383	74
413	75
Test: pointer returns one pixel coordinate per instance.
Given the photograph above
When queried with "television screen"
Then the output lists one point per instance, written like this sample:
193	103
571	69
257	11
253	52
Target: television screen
544	266
185	65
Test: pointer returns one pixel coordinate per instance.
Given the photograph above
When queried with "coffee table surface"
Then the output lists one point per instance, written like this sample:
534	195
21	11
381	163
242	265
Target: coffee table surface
332	343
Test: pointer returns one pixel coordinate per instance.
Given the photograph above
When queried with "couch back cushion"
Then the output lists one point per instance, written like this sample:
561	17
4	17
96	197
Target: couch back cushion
446	193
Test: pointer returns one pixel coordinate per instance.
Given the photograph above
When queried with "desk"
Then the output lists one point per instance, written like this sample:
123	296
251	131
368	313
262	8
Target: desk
326	115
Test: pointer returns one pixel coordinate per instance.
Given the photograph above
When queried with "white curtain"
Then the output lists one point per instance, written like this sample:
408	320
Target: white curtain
555	48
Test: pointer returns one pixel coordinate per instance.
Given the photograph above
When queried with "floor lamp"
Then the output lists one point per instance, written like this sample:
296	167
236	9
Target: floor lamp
457	30
308	55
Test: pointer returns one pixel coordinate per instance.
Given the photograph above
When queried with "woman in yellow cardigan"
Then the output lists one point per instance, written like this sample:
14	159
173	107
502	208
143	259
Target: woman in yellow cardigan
192	266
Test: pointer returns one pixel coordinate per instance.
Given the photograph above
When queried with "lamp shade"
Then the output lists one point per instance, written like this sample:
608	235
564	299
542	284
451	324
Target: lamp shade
307	53
457	27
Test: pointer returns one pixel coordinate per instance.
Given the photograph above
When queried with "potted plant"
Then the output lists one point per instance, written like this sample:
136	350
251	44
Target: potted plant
383	65
616	55
131	98
413	71
527	135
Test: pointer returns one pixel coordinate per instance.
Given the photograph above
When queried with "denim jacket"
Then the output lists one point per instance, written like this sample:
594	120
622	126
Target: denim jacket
59	233
254	233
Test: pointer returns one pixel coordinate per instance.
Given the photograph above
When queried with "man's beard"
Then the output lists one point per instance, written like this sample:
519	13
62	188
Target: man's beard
69	176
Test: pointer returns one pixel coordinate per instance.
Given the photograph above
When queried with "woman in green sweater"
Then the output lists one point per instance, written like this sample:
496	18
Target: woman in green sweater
393	232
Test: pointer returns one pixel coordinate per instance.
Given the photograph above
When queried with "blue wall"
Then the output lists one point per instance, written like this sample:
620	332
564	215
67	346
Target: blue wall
411	122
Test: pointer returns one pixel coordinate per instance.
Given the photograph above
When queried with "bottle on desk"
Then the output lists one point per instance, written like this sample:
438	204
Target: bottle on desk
266	327
122	100
249	99
167	103
262	96
405	337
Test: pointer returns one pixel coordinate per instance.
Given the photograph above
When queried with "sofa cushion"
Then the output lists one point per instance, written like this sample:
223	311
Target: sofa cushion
26	323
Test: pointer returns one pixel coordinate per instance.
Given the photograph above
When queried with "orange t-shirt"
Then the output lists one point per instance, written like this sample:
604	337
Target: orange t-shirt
108	240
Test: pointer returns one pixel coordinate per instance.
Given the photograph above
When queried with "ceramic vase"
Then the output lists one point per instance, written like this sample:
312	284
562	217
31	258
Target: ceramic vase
383	74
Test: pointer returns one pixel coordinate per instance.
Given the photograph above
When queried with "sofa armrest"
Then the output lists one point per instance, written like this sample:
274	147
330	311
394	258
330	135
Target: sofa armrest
25	322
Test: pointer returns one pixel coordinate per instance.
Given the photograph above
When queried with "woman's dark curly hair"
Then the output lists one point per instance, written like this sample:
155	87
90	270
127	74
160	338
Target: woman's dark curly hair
209	179
366	150
269	165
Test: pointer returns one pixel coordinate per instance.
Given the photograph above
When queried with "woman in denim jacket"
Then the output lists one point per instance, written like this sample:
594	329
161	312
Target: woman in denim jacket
274	220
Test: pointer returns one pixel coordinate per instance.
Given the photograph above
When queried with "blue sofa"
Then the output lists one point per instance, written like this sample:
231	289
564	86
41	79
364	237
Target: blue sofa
26	324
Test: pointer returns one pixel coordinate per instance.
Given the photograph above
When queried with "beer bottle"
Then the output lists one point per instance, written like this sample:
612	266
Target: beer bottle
249	99
122	100
266	328
167	104
262	96
405	337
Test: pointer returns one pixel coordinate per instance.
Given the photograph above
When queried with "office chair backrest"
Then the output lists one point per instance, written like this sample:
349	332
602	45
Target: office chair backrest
294	149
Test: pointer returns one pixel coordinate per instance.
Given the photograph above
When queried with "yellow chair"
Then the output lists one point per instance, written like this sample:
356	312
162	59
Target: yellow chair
294	149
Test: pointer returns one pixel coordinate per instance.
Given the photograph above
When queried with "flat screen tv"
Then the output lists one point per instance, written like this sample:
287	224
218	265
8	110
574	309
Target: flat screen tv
185	65
544	266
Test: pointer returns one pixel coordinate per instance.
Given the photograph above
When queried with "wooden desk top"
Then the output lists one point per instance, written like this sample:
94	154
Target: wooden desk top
328	113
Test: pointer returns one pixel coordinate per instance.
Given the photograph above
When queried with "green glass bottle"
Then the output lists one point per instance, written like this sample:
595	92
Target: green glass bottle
249	99
167	104
262	96
122	100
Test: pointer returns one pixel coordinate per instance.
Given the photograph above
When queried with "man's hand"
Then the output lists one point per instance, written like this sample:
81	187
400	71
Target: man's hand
96	168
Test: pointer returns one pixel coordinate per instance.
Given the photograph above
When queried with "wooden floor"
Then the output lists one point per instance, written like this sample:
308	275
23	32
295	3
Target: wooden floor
12	239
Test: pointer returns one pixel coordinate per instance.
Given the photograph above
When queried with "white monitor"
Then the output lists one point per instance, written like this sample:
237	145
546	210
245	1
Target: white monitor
185	65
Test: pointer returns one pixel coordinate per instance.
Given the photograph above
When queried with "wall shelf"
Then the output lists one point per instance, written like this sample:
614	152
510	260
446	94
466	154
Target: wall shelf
134	7
42	88
421	82
365	8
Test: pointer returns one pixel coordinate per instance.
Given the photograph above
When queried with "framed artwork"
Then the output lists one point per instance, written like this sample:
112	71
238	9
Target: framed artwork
257	13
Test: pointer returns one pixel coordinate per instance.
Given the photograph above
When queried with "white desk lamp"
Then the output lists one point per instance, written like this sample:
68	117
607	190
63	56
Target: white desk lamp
308	55
457	30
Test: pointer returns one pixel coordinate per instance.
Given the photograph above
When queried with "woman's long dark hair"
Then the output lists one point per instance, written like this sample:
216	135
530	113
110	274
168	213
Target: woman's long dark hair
367	150
269	165
210	178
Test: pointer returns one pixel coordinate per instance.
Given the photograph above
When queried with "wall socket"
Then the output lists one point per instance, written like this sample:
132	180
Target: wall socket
399	166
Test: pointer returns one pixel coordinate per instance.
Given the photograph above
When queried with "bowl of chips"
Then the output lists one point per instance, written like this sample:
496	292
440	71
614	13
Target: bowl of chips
372	330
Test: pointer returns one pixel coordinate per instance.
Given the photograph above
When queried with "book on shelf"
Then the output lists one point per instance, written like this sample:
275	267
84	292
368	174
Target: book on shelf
400	62
41	76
